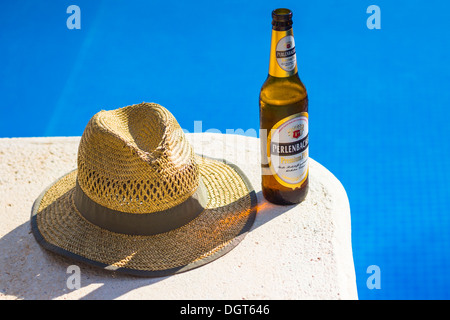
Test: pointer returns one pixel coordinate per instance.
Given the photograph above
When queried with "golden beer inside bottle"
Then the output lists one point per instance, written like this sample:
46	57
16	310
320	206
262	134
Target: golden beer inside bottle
283	98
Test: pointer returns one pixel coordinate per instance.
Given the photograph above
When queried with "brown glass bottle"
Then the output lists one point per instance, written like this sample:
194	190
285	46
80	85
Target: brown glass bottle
283	112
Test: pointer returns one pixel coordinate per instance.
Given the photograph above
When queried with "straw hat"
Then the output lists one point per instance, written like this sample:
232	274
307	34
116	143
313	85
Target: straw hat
141	201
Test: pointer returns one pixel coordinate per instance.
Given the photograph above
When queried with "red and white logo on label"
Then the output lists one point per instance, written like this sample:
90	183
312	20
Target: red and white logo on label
296	131
288	45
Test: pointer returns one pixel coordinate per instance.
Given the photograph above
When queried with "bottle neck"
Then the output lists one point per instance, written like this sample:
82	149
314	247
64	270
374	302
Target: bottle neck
283	60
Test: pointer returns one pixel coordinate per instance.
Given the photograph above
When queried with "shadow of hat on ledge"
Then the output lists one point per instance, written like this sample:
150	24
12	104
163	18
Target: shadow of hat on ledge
134	207
44	274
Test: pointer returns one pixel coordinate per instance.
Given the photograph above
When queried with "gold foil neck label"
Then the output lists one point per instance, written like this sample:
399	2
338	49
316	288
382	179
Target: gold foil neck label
283	59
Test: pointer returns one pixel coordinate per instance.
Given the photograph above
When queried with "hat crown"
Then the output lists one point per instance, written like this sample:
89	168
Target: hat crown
136	159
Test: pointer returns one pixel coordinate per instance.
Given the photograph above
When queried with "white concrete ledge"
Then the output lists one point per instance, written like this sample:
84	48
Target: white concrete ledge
292	252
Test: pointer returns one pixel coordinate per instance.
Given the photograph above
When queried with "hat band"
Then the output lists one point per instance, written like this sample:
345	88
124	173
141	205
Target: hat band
145	224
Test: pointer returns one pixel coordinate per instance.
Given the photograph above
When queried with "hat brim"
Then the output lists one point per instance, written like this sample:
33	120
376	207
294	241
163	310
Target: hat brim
59	227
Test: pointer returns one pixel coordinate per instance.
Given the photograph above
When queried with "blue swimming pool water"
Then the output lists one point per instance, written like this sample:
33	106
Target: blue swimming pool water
379	100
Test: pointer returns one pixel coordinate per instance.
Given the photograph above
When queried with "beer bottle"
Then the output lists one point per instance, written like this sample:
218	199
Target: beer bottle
283	112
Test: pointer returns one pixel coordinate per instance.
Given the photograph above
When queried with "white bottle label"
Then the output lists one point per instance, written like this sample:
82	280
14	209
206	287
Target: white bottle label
288	150
285	53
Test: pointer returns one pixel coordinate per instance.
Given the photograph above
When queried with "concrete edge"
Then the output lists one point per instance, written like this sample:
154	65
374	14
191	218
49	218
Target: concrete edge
341	218
342	241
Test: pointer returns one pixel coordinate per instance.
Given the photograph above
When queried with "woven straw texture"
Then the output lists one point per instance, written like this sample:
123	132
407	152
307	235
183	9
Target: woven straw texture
228	211
137	160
